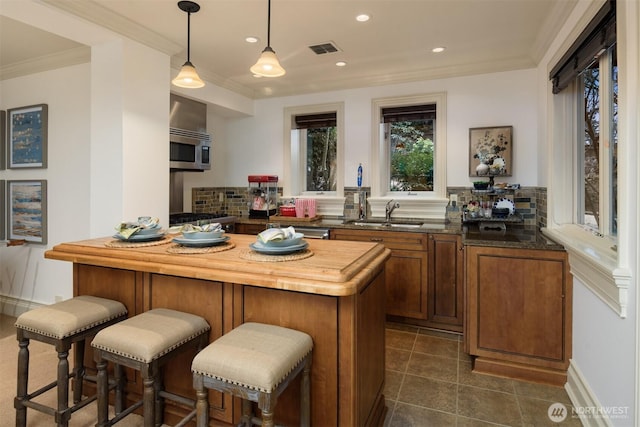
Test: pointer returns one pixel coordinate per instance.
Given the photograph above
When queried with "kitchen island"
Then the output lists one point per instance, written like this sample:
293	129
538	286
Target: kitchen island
335	293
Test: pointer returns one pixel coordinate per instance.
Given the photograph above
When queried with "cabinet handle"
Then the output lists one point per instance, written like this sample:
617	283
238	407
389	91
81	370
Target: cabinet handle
376	239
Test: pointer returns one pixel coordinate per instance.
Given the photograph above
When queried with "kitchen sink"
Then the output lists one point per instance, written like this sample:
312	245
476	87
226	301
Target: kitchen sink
393	224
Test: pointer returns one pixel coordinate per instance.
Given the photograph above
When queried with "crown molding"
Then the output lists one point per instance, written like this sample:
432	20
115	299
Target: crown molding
79	55
106	18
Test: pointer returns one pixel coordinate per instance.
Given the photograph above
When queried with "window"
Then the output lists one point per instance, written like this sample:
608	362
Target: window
583	155
318	136
598	144
410	134
313	155
409	149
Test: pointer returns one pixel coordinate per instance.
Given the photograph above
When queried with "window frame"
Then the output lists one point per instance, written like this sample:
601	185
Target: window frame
601	263
294	175
419	204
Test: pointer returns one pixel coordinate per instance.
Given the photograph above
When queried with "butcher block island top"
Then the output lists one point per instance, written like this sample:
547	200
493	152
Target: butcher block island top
334	268
334	291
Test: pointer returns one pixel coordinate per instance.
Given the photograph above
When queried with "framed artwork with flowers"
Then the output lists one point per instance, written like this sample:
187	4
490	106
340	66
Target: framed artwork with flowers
490	151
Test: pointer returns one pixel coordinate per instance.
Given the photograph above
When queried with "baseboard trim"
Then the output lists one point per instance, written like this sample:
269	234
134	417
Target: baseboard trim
12	306
583	398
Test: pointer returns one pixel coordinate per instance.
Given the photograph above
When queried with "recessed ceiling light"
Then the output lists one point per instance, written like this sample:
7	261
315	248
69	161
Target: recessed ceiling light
363	17
438	49
341	63
252	39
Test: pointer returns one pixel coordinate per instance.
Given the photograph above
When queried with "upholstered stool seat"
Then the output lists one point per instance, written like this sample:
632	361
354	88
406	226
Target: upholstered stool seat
145	343
256	362
61	325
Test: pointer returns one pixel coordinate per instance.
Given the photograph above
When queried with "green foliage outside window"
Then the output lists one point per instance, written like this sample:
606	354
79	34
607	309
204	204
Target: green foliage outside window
322	144
411	155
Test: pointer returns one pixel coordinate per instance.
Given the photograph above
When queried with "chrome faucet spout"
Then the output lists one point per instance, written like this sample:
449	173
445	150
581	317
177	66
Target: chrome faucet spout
391	206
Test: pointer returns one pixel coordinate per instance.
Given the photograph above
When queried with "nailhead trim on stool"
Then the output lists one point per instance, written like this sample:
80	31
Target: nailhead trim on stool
256	362
145	343
61	325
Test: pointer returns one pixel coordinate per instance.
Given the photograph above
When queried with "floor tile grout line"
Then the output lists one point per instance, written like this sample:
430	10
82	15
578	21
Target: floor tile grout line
404	376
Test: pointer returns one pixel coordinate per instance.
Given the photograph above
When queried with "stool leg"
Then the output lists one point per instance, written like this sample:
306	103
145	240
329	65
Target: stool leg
23	381
202	401
305	394
267	419
148	402
102	384
78	371
159	401
121	383
63	414
247	413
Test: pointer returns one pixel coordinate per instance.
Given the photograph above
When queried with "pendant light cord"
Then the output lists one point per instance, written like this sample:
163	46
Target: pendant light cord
189	36
269	24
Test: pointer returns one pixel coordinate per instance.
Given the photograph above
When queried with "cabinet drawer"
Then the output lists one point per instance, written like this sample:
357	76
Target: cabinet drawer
391	239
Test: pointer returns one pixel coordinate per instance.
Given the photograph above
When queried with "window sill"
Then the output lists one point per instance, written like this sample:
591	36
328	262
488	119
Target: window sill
433	208
325	205
594	262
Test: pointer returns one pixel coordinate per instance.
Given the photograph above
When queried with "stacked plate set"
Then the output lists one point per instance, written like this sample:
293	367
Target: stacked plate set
145	229
195	236
279	241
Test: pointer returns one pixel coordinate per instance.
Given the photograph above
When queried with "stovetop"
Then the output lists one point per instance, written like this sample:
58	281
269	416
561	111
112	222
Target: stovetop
199	218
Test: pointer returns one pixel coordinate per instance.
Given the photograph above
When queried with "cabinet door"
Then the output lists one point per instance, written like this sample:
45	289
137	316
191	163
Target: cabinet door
519	304
249	228
405	271
445	291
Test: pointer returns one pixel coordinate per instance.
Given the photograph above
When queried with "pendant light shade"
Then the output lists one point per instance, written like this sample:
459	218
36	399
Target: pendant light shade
188	77
268	64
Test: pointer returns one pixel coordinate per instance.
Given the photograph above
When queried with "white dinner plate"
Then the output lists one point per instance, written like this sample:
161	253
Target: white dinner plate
505	203
277	250
200	243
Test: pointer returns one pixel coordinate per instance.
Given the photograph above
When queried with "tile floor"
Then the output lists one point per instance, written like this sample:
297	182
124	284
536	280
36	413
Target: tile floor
429	383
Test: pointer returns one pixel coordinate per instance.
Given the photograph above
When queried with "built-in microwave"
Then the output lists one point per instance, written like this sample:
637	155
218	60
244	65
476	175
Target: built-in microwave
189	151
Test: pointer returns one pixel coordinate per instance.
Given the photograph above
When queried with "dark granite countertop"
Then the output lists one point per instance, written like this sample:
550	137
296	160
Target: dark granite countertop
515	236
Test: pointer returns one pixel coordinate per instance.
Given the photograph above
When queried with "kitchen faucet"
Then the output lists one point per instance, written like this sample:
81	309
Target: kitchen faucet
391	206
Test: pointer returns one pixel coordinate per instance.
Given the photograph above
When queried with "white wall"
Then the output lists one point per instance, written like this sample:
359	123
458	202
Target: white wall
24	273
254	145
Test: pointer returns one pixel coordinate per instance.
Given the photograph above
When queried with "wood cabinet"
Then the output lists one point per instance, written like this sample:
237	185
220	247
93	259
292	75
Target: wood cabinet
445	304
255	229
406	270
519	305
425	276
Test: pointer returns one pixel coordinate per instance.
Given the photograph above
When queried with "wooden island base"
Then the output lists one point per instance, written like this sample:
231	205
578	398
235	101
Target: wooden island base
337	296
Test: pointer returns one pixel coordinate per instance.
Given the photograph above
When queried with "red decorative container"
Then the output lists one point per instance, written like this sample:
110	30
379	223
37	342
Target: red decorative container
287	211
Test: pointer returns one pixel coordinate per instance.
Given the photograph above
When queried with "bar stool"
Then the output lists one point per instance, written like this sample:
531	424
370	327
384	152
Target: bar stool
145	343
61	325
255	362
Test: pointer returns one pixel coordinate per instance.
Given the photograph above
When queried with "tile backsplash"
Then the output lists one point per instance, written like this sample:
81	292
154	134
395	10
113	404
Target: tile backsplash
530	202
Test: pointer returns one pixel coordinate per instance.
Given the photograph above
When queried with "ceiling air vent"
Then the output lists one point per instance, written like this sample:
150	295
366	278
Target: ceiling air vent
322	48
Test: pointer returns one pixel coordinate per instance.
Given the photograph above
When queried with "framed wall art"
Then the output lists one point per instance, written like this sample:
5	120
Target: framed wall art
3	135
27	210
27	137
490	151
2	210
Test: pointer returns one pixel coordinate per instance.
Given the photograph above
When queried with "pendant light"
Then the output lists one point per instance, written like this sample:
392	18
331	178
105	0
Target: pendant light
188	77
268	64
